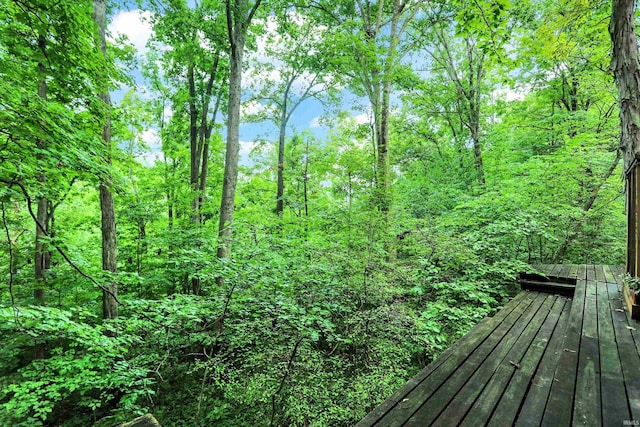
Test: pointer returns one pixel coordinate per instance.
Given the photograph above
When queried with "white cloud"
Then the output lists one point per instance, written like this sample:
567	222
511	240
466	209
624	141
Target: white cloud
136	25
251	108
508	94
246	147
150	137
154	153
167	112
362	119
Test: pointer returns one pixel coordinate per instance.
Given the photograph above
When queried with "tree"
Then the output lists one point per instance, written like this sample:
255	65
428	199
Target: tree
107	208
624	62
468	78
42	260
567	56
195	65
239	14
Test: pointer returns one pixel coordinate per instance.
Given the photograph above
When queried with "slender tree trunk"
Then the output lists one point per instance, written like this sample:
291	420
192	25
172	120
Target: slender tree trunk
469	100
42	258
384	185
109	250
107	208
384	201
204	134
239	16
476	74
194	164
193	142
42	254
233	148
477	152
281	145
141	249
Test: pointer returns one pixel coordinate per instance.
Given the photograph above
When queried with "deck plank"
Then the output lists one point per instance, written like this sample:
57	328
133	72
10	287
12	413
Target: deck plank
560	402
633	324
614	408
587	404
582	272
591	273
564	271
573	272
629	362
600	276
543	268
542	355
494	348
609	275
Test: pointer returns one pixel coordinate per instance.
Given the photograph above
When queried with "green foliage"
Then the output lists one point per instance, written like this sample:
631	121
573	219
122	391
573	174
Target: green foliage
322	312
85	373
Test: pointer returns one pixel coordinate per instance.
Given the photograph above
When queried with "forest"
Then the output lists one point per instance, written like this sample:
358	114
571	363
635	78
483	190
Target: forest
276	212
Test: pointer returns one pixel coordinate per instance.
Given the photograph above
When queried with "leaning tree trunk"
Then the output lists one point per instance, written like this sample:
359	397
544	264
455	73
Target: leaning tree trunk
109	242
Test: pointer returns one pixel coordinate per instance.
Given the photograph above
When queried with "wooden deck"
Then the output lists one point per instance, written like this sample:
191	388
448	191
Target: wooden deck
544	359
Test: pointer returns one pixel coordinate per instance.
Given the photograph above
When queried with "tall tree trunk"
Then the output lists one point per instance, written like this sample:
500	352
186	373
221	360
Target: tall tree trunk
42	254
384	185
193	144
239	16
109	241
384	201
477	151
468	85
233	148
281	146
194	165
305	179
624	63
204	133
476	74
